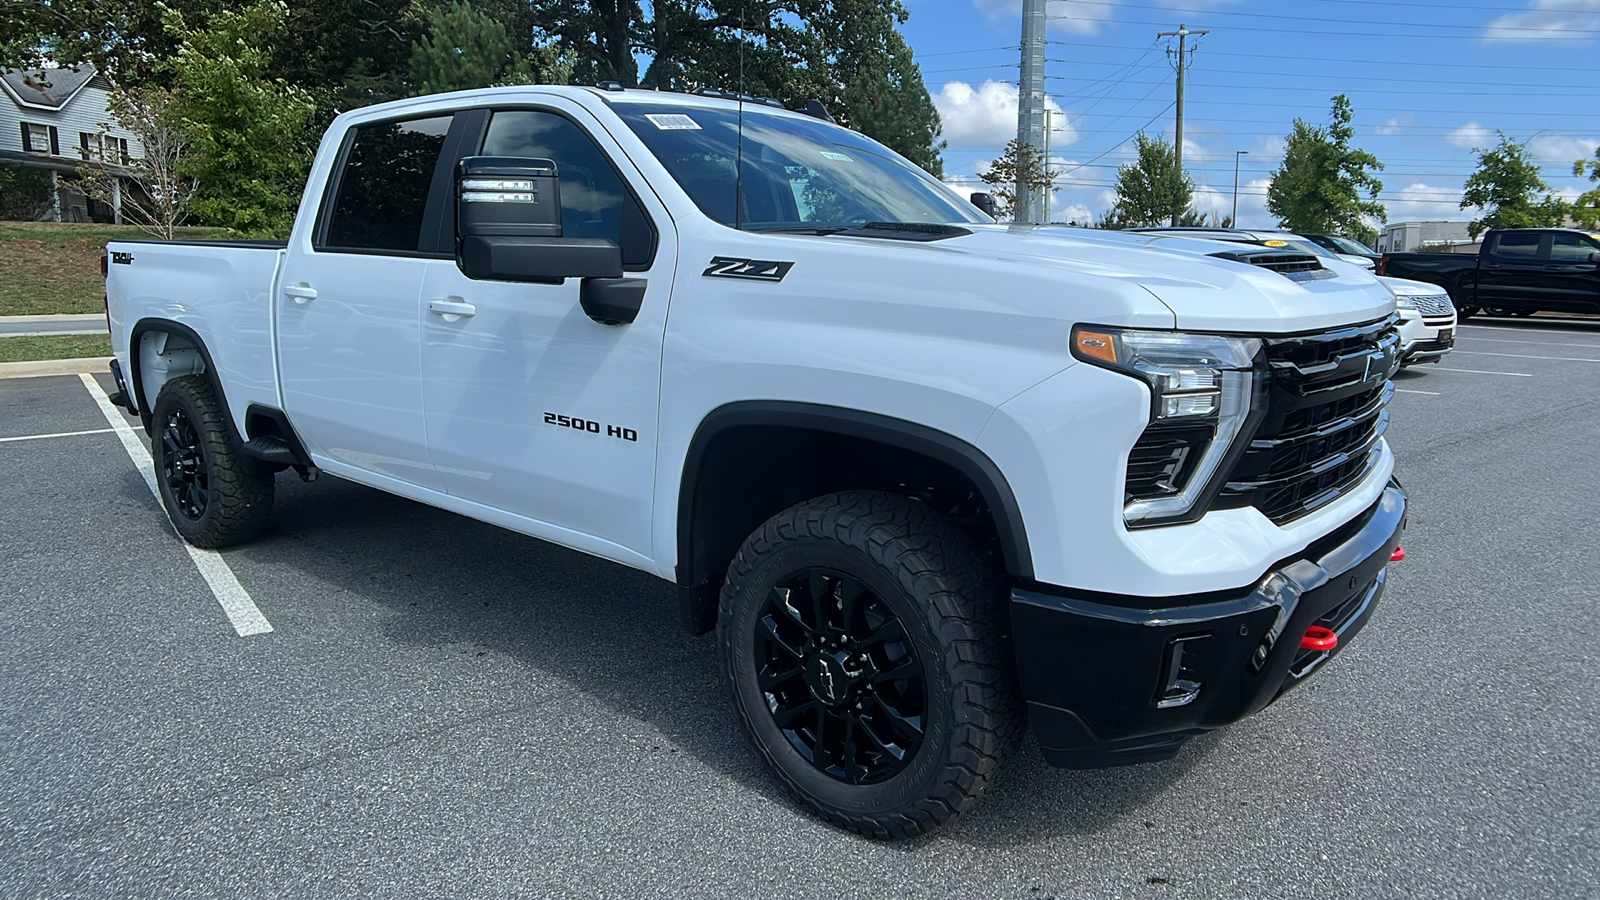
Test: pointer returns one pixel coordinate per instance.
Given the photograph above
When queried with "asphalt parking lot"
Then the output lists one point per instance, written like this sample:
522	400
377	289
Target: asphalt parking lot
443	708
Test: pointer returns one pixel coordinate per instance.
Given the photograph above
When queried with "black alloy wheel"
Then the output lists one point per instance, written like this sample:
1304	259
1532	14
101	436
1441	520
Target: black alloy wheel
183	465
215	495
840	676
864	641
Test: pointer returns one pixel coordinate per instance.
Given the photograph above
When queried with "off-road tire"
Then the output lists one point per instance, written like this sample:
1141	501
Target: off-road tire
236	490
950	602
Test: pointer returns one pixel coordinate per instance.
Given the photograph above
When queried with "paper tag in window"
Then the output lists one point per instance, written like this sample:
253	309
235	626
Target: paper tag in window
839	156
673	122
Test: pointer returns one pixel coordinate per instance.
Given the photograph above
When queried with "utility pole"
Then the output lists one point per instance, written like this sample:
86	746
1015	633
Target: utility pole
1029	206
1236	154
1050	182
1182	35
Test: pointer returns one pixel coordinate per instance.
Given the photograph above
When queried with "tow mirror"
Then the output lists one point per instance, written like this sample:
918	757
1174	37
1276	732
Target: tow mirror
508	225
985	202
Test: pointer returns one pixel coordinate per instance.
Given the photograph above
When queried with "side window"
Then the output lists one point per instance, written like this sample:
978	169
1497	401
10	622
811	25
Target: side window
1517	246
383	189
1572	248
595	203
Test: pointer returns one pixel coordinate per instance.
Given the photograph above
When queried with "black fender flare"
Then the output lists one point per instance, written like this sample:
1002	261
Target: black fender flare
930	442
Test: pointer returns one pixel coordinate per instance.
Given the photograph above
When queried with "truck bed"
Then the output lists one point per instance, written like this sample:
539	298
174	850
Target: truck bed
220	290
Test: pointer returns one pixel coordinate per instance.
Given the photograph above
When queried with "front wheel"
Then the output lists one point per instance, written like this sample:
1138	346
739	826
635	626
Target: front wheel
214	494
863	641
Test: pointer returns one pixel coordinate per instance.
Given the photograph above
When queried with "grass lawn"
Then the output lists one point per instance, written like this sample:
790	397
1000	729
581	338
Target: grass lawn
53	268
54	346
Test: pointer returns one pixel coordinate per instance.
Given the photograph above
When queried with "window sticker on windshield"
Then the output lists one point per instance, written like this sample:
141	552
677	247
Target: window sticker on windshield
673	122
839	156
1275	243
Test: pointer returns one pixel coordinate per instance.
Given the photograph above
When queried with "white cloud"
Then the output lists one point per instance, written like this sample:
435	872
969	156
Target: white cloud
1420	202
1472	136
1548	20
985	117
1560	153
1392	126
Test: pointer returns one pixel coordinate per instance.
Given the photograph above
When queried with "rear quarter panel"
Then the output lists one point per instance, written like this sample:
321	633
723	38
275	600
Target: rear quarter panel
222	292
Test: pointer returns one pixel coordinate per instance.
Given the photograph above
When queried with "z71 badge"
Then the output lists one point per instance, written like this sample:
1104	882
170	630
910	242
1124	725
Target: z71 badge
755	269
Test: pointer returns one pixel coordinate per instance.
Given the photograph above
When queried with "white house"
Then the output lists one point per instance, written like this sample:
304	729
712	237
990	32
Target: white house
55	119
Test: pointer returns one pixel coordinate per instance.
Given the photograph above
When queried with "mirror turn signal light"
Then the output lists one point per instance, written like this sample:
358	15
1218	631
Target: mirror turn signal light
1319	639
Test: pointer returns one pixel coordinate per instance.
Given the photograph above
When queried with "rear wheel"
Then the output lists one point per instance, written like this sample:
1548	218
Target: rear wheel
214	494
1464	313
863	641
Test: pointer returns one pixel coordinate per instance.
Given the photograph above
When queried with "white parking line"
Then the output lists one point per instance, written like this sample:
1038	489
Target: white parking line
1408	391
1525	356
1481	372
40	437
1534	343
1507	329
234	599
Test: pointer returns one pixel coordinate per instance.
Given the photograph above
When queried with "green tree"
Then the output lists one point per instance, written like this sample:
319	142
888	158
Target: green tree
1586	209
1018	159
1319	187
164	193
1506	187
848	54
1152	190
465	48
249	143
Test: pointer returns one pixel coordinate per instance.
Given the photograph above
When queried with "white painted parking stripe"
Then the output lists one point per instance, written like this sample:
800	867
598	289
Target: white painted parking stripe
40	437
234	599
1534	343
1509	329
1481	372
1526	356
1407	391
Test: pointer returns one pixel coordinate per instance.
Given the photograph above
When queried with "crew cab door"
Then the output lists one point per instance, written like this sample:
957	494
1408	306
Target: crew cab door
1548	270
349	314
533	408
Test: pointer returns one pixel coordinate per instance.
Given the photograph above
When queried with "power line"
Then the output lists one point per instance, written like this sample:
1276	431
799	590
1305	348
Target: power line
1221	12
1373	62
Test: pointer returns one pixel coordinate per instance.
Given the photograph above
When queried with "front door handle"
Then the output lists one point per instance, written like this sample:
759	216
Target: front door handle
300	293
452	309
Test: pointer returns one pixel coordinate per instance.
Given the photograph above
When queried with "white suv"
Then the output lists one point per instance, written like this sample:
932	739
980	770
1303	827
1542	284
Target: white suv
1427	320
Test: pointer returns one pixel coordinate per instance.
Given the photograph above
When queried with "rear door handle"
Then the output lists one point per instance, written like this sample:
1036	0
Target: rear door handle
452	309
300	293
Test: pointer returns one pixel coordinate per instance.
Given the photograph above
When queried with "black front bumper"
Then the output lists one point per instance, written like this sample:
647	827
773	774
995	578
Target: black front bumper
1109	682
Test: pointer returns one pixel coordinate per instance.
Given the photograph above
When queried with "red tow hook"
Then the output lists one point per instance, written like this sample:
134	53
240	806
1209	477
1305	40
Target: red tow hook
1398	554
1319	639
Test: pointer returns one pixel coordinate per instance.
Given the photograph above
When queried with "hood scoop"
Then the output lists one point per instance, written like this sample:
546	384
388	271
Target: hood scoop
1291	264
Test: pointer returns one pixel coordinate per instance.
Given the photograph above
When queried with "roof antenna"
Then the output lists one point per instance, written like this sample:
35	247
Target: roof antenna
738	165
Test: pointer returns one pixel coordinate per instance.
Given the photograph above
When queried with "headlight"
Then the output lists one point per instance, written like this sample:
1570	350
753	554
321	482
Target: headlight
1404	302
1200	391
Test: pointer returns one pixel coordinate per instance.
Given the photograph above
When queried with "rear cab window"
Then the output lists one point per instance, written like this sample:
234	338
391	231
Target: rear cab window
380	199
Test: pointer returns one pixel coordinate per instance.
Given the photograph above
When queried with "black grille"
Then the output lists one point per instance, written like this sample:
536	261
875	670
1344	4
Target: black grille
1327	397
1162	460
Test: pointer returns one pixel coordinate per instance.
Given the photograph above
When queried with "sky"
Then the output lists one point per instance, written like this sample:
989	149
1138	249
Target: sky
1429	82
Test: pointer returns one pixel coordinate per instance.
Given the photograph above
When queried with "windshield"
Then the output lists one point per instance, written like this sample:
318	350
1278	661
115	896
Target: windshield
1304	246
1346	245
796	173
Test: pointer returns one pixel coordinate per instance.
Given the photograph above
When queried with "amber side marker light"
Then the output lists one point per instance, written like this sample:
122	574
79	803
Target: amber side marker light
1101	345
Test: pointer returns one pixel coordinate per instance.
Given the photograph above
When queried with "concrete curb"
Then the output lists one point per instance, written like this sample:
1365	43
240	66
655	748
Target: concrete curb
38	368
75	317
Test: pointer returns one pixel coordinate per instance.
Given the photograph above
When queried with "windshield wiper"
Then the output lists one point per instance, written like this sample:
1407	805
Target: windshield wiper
802	229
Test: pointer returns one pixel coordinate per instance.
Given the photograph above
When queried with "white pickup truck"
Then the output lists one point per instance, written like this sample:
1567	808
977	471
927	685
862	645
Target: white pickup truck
930	478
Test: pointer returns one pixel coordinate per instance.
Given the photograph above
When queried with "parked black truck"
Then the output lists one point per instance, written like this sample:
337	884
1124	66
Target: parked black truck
1516	272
